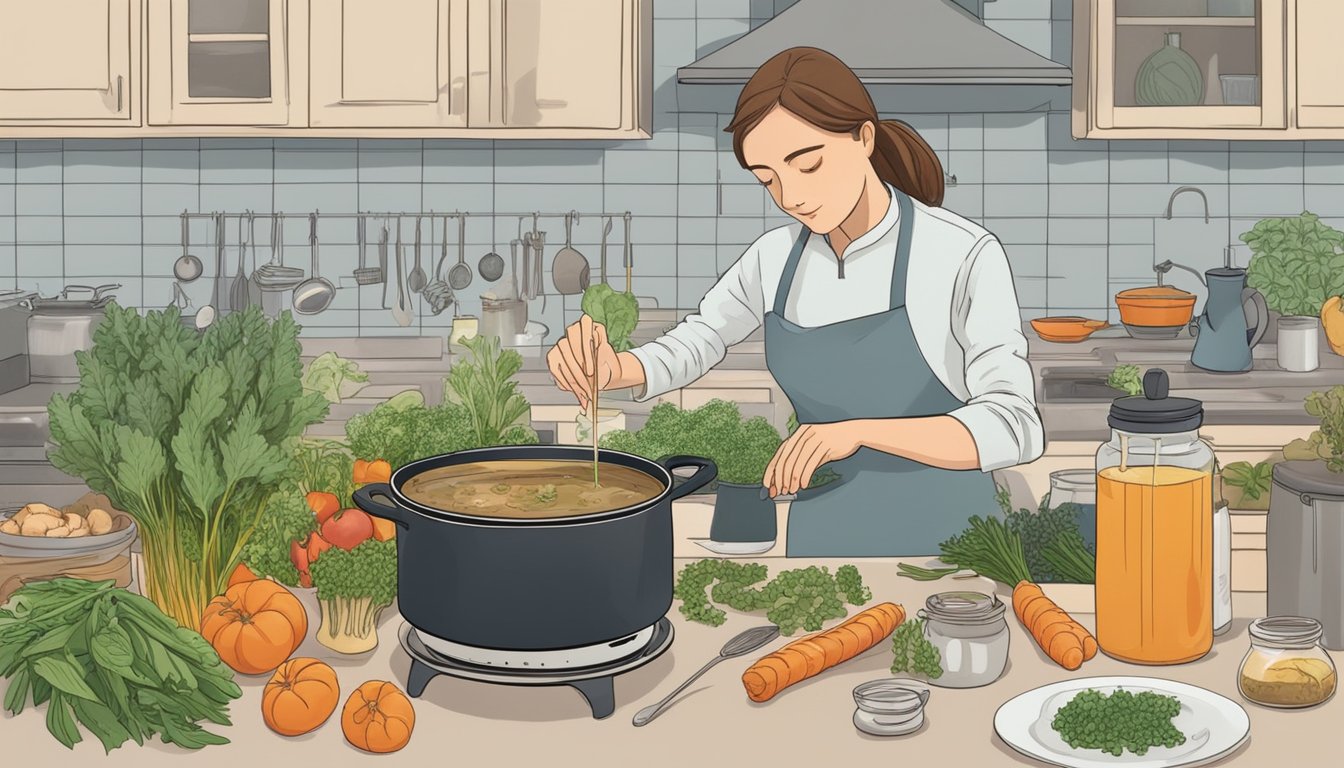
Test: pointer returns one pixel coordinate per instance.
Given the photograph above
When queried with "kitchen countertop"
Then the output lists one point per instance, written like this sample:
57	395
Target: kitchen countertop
713	722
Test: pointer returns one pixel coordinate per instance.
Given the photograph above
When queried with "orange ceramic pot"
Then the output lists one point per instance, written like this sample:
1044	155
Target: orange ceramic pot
1158	306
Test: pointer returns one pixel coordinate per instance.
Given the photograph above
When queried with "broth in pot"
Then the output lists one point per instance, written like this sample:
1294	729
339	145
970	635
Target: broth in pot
530	488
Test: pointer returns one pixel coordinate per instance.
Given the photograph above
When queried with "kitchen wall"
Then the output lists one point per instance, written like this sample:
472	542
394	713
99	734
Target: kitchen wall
1080	219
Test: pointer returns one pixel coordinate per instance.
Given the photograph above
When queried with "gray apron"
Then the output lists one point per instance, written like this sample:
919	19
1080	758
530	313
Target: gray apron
869	368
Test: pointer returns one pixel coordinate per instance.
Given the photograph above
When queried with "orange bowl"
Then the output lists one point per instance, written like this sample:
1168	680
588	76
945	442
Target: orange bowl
1066	329
1158	306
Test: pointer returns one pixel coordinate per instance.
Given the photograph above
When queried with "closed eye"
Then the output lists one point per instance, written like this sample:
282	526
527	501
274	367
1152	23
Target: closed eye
813	168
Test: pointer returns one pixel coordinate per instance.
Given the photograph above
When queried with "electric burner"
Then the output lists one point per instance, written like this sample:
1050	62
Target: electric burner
567	658
595	681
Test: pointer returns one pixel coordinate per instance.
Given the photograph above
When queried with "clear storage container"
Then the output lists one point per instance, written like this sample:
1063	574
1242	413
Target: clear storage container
1154	585
971	636
1286	665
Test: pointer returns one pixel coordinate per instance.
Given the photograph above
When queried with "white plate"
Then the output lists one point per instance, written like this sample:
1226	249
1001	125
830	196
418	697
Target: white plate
732	548
1213	725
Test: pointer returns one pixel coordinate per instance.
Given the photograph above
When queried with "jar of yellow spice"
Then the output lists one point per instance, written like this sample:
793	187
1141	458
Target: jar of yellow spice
1286	665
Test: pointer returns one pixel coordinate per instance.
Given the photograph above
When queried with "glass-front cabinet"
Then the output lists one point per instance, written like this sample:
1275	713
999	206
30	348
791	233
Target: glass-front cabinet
219	62
1178	65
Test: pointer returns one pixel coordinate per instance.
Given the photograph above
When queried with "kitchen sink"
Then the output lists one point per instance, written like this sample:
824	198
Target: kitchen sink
1087	384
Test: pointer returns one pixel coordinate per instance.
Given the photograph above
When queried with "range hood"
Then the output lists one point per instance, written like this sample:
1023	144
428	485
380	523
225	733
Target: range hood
885	42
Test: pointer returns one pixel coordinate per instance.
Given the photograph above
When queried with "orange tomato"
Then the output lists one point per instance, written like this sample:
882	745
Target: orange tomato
254	626
378	717
300	696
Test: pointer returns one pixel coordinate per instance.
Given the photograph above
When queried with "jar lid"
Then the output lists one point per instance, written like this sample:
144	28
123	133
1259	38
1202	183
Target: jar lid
1154	412
1287	630
966	608
892	696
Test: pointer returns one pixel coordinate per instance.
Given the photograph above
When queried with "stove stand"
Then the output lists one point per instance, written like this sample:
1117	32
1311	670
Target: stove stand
595	683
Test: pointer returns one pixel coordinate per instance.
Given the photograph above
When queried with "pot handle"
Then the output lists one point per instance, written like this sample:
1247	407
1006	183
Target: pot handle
704	474
363	498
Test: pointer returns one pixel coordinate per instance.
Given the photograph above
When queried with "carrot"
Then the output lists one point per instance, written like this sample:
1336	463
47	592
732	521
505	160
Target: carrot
812	655
1064	640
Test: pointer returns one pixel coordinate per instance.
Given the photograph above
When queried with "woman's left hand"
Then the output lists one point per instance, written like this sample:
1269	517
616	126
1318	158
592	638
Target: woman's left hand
807	449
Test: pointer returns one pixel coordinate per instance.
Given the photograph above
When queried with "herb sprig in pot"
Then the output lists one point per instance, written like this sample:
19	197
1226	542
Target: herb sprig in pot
1297	263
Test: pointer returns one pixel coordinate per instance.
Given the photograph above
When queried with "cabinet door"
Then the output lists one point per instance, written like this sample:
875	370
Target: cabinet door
1320	64
69	62
1188	64
572	65
218	62
385	64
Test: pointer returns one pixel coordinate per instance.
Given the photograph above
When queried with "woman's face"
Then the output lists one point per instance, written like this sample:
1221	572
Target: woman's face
813	175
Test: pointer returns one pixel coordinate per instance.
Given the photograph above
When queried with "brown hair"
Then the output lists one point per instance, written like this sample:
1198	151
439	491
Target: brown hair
820	89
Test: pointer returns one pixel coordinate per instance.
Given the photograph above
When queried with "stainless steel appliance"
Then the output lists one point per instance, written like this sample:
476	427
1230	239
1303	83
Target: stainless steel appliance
59	327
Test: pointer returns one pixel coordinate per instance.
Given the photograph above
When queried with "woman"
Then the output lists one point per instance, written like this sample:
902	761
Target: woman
890	323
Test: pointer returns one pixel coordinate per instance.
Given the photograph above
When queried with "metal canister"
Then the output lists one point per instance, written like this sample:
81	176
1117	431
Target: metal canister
1305	542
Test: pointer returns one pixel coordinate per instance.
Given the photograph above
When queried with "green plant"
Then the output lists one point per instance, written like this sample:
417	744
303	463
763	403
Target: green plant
324	465
328	373
483	385
1069	559
802	597
189	433
288	518
914	653
989	547
740	448
1254	480
1297	263
112	661
1328	406
1127	379
1118	722
1052	547
617	311
353	588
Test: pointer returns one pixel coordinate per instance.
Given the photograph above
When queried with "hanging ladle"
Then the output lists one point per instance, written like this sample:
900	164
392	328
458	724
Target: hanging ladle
187	267
417	279
459	276
314	294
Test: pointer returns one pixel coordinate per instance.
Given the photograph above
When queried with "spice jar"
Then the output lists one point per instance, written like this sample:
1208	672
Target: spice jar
1286	665
1154	582
971	636
888	707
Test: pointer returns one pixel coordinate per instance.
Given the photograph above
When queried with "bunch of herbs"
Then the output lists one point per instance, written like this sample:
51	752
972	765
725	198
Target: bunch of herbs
189	433
1297	263
111	661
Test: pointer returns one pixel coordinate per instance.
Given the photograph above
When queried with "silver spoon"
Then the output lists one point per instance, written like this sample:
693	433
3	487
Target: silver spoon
187	267
745	642
417	279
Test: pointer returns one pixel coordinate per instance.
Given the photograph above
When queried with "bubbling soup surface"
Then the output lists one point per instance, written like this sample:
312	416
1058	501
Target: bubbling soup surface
531	488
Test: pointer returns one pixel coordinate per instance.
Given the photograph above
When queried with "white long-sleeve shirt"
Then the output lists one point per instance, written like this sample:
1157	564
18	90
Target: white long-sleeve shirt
960	299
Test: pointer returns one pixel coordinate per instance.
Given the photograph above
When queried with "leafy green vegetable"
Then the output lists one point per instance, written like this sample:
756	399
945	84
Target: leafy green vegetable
1254	480
617	311
354	587
802	597
111	661
1127	379
1297	263
483	384
914	654
288	518
189	433
328	373
989	547
1314	448
324	465
1070	560
1328	406
740	448
1119	721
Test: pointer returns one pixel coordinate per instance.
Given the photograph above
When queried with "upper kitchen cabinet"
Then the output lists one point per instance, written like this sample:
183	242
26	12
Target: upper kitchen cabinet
220	63
1320	64
72	63
1179	68
380	64
574	68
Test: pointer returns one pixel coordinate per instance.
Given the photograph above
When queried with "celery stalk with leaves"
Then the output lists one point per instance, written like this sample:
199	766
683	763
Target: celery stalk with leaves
190	434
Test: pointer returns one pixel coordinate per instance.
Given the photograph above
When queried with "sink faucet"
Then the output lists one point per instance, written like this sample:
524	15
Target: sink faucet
1197	191
1165	267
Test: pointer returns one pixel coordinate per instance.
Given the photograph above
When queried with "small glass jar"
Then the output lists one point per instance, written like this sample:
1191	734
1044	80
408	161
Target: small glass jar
971	636
608	420
1079	488
890	707
1286	666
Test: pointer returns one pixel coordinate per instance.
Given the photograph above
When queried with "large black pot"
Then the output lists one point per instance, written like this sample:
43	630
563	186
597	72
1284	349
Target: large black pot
528	585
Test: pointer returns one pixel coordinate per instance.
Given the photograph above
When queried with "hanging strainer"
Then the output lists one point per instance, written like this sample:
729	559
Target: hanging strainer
365	275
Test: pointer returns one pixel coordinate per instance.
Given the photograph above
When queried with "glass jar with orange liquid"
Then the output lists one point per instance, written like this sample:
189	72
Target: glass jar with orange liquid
1154	578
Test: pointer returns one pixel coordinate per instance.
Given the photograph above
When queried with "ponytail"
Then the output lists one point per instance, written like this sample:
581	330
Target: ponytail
904	160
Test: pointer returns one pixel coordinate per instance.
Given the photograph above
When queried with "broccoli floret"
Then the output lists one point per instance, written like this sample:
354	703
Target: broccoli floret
353	588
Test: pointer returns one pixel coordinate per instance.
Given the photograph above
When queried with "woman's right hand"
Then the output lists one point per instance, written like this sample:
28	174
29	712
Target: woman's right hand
582	352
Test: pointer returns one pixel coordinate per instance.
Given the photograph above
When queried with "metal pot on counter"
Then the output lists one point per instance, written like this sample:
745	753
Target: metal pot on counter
474	586
60	326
